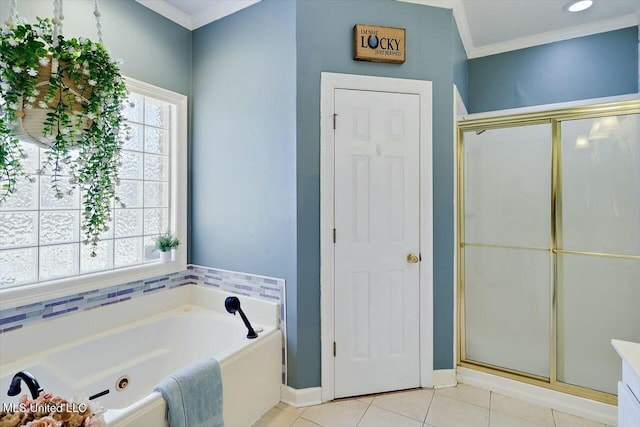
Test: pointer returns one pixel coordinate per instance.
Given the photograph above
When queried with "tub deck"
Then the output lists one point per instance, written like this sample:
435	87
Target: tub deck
147	349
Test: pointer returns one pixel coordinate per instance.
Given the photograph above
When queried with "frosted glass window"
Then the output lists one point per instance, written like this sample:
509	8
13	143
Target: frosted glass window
25	197
131	165
597	301
507	186
156	194
40	233
70	198
128	251
507	310
156	168
136	142
18	229
18	266
601	185
128	222
156	221
130	193
59	261
102	261
59	227
156	113
134	108
156	141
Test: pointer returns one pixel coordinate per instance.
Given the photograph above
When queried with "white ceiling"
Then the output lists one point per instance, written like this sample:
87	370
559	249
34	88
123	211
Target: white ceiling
193	14
486	26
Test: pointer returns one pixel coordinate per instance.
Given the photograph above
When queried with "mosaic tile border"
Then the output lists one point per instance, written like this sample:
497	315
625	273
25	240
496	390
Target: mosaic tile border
15	318
255	286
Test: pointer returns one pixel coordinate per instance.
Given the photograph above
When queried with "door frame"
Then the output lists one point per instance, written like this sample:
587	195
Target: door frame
329	83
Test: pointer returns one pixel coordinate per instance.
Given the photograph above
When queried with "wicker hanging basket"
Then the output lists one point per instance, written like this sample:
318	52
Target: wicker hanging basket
30	122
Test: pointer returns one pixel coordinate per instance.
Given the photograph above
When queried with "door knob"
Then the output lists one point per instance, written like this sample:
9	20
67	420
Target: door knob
412	258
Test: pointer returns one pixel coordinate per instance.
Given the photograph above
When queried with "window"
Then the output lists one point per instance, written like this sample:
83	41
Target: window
41	237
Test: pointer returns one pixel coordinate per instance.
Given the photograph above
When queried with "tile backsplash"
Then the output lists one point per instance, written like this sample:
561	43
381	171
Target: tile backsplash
250	285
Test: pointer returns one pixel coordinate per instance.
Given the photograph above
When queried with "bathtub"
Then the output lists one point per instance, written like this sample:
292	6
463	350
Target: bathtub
142	341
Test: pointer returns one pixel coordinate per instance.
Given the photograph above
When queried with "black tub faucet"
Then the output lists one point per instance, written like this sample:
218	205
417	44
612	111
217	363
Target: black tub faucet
232	304
29	380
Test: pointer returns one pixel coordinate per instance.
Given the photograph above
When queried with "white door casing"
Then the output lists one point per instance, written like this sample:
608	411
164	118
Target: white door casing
416	366
377	202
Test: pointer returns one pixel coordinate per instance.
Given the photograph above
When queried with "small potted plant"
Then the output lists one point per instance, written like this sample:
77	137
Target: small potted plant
166	244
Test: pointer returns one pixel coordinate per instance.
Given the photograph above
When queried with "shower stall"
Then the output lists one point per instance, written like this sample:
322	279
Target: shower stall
549	245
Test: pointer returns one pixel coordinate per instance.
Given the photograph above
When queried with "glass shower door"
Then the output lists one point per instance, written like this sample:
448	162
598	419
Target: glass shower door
598	248
506	257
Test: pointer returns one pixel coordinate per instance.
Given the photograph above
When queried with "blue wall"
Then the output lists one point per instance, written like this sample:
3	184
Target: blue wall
154	49
587	67
324	43
460	67
244	150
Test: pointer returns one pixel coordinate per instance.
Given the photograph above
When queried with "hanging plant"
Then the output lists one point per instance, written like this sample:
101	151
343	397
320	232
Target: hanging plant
67	96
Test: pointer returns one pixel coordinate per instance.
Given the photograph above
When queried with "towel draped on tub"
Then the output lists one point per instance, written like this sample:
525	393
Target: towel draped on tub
194	395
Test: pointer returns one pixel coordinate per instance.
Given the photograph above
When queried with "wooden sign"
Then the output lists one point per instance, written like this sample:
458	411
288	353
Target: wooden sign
378	44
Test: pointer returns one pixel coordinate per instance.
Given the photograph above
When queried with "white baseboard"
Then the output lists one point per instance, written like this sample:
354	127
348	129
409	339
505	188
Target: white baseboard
579	406
443	378
300	397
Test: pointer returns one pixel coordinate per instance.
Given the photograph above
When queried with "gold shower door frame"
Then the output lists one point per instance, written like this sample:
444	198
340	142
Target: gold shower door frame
555	118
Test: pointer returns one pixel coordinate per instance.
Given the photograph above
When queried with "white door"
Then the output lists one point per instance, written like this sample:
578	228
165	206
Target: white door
377	225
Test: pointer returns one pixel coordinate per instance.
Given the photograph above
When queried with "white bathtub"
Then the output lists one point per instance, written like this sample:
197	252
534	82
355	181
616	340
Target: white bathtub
146	339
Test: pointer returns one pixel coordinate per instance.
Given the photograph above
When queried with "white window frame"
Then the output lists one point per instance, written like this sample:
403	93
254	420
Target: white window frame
42	291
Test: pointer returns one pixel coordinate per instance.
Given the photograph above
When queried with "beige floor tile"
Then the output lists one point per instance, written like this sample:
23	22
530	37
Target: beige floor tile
468	394
284	407
521	409
378	417
301	422
345	413
565	420
498	419
366	399
447	412
276	418
413	404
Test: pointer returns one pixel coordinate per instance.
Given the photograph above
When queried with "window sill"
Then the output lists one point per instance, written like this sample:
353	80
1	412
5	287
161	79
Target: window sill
44	291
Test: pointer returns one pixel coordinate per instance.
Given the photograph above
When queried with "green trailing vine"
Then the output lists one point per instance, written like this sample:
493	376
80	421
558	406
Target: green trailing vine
84	125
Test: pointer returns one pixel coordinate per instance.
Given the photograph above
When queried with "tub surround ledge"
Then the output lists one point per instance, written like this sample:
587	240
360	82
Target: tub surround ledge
144	339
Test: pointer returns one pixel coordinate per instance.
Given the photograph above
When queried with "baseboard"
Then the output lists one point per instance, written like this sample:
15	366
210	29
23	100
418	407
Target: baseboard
300	397
443	378
575	405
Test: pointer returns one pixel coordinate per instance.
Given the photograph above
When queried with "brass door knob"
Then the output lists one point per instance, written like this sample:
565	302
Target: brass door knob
412	258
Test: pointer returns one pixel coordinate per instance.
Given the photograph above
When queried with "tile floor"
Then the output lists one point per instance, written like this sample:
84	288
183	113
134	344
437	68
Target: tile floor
462	406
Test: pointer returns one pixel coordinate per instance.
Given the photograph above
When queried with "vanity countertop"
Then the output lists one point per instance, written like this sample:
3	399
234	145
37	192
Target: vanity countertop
630	352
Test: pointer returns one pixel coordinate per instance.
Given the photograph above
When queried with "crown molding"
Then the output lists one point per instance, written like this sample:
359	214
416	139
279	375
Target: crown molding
218	10
472	51
555	36
168	11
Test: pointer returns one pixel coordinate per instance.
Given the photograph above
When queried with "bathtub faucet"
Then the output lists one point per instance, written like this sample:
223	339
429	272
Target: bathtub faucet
30	381
232	304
